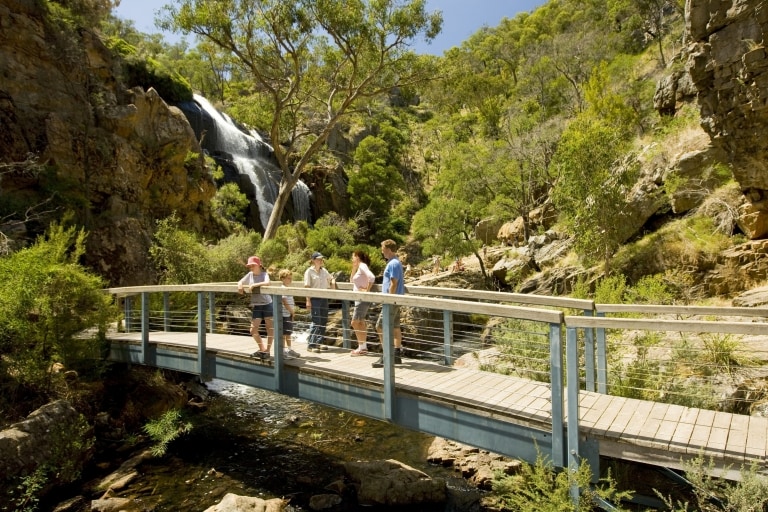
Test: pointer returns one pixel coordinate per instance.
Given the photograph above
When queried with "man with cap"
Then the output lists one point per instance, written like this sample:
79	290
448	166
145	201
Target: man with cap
316	276
261	304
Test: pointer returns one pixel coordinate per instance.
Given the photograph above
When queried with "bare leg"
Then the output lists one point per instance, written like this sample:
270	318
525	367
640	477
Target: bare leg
270	331
255	323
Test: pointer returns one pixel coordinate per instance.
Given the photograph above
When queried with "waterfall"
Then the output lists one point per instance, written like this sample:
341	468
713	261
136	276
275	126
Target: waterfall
245	158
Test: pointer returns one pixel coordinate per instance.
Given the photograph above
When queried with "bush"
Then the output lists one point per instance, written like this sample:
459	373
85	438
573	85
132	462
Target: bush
46	302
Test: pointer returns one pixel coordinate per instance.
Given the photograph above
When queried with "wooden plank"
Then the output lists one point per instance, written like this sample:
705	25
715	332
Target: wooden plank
756	439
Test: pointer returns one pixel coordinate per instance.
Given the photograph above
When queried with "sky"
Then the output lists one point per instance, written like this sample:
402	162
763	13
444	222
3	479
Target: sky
461	18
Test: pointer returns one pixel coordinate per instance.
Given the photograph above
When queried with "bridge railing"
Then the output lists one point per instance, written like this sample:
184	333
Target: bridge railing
456	326
684	355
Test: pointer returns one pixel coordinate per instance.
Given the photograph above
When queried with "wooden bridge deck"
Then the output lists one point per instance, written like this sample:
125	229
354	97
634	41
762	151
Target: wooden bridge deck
629	429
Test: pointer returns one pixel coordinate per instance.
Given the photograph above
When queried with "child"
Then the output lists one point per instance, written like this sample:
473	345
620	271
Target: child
286	276
261	304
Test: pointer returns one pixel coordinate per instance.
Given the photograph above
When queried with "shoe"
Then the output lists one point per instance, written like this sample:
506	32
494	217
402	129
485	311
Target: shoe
322	347
293	353
287	354
359	352
262	356
379	363
313	348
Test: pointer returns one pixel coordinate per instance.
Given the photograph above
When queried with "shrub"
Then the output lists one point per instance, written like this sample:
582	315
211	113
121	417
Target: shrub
46	302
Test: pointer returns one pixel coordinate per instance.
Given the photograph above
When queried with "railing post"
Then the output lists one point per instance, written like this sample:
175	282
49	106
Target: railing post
211	313
166	312
277	339
144	327
589	356
572	378
556	379
345	325
602	360
128	313
388	349
201	335
447	337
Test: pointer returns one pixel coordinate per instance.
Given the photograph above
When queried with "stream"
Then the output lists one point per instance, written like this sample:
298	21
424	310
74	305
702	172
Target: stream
255	442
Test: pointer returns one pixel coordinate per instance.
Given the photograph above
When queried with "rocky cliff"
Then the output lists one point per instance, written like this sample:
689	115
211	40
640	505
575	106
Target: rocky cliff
728	66
72	137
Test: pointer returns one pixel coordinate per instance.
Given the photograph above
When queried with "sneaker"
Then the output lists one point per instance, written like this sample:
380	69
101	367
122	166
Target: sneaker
322	347
287	354
379	363
293	353
359	352
313	348
262	356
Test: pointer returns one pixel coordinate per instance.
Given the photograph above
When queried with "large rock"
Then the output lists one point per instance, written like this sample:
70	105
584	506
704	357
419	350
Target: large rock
234	503
31	443
119	158
728	66
392	483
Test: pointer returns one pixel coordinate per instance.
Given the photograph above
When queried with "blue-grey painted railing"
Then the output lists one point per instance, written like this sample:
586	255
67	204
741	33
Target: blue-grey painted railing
434	299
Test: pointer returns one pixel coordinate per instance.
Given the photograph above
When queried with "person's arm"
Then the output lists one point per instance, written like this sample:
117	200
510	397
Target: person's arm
262	283
287	304
371	278
393	285
241	284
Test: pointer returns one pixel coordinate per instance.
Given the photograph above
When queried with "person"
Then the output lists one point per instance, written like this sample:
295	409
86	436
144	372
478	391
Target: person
289	307
316	276
393	283
435	264
362	279
261	304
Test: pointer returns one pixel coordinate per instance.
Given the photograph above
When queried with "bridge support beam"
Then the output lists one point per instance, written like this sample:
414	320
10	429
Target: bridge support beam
556	378
572	378
201	335
448	337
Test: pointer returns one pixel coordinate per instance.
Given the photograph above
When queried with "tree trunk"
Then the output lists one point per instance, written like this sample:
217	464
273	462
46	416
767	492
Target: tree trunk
287	183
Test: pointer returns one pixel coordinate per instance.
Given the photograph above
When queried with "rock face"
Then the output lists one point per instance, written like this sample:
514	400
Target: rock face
728	65
27	444
392	483
119	159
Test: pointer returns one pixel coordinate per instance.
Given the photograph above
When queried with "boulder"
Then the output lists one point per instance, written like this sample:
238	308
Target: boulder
234	503
392	483
27	445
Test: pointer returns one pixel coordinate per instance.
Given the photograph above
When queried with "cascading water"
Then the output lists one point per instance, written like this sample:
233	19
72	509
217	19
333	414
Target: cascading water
245	158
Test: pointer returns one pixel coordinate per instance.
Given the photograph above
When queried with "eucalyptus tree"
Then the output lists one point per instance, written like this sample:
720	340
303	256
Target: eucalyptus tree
312	62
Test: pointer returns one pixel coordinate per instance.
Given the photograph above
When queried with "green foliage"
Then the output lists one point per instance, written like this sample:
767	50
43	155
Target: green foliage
166	429
230	204
60	467
332	236
375	185
539	488
524	349
444	227
81	13
181	257
592	192
713	494
144	71
46	302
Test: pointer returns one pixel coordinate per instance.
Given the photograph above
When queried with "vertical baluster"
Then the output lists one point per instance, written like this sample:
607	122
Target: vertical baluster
447	337
572	378
556	380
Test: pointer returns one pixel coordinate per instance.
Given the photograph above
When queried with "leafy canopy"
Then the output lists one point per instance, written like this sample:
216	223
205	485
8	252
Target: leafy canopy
311	62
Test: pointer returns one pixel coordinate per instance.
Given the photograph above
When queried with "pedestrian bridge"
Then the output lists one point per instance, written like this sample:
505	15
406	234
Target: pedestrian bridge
559	377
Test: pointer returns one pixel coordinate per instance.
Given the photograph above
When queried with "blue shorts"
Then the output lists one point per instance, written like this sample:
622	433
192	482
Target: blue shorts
261	311
287	325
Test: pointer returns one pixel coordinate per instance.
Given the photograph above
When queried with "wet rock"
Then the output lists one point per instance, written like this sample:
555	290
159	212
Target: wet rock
234	503
114	505
125	474
324	501
26	445
389	482
475	465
